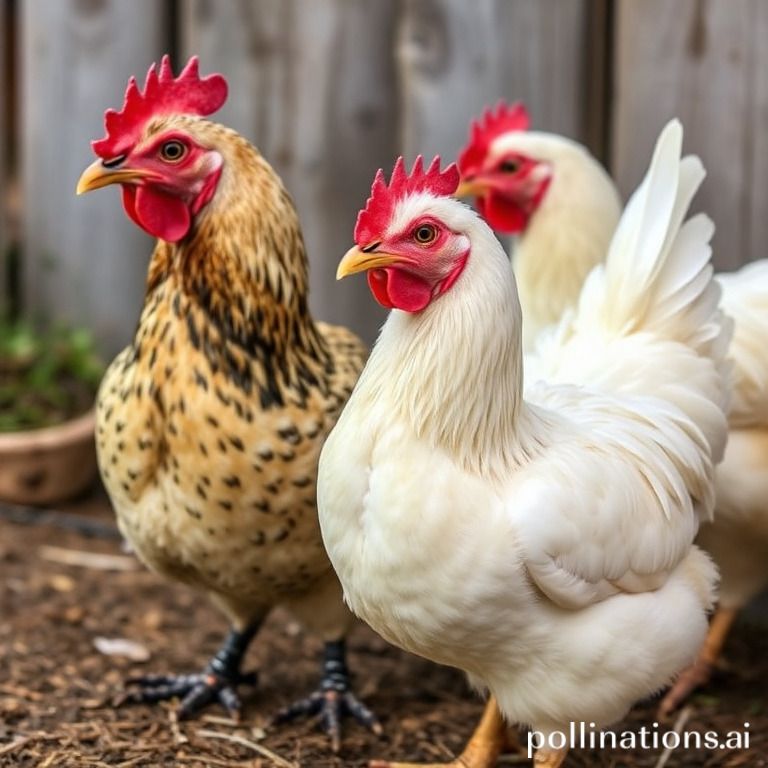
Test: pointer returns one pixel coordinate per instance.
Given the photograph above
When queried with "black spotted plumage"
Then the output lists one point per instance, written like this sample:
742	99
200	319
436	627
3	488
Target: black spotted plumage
223	401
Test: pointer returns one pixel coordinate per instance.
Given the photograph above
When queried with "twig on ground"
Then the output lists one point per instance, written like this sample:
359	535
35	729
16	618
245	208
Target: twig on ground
243	742
682	719
218	720
15	744
23	741
94	560
21	693
256	763
178	736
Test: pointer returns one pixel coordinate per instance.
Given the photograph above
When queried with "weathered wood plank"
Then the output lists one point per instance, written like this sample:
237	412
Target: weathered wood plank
596	78
312	85
757	132
545	59
3	166
704	62
449	68
84	262
456	57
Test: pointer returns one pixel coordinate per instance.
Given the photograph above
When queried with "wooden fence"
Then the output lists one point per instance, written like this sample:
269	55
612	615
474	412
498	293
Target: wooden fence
332	89
4	149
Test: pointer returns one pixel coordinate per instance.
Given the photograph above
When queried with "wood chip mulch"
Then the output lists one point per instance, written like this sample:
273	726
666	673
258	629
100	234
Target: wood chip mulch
57	690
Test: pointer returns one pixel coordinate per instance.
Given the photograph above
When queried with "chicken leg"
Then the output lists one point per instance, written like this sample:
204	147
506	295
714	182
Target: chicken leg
333	699
482	751
700	671
218	681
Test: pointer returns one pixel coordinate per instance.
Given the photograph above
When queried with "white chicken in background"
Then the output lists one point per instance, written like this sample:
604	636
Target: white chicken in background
543	545
553	196
564	224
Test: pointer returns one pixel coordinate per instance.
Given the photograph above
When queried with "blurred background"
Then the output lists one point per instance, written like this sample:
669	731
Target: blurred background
330	90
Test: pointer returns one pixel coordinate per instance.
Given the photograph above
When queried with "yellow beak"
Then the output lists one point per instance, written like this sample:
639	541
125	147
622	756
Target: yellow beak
356	260
470	188
96	176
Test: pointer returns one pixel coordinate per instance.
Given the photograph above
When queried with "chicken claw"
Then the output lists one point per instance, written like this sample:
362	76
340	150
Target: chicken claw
218	682
333	699
196	691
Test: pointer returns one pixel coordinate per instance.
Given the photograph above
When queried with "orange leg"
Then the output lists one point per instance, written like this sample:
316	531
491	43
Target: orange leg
699	672
486	744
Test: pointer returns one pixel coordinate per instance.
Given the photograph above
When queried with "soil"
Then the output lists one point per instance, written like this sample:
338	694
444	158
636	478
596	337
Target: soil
57	691
25	407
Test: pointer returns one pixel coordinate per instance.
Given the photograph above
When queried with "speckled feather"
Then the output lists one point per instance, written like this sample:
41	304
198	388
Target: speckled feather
210	423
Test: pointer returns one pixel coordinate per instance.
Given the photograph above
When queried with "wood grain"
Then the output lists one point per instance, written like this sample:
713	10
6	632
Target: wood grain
544	61
454	58
84	262
330	90
3	167
704	62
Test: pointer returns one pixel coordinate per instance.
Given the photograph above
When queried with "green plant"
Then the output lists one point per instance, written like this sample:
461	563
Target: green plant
45	378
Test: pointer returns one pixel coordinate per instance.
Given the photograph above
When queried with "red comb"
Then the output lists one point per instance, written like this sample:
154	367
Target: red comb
374	218
508	117
187	94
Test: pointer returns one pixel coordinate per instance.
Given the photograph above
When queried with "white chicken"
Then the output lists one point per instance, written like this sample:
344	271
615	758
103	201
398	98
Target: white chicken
564	228
553	196
543	545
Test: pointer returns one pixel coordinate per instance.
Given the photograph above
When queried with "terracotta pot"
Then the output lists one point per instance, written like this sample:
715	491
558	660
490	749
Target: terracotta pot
46	466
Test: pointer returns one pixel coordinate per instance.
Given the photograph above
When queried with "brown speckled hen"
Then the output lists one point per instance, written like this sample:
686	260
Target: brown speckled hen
210	423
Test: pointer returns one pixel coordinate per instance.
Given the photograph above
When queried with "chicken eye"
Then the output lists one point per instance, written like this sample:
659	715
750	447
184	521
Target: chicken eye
425	234
172	151
509	166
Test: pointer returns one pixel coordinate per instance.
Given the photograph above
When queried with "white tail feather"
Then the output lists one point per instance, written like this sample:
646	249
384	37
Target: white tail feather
656	286
657	277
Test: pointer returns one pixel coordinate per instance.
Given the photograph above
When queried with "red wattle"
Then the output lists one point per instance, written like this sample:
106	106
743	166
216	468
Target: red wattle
129	203
160	215
502	214
398	289
377	282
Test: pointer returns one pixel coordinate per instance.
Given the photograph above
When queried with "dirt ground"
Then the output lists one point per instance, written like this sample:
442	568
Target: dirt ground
57	689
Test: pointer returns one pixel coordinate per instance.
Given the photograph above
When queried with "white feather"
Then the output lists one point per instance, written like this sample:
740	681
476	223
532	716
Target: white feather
569	232
738	538
541	544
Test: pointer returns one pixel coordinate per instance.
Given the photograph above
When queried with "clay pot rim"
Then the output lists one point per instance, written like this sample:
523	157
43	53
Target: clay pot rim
74	430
